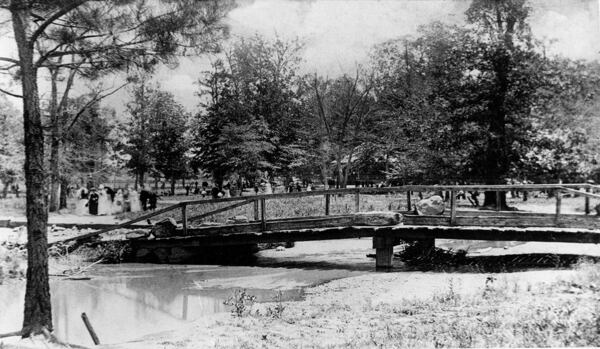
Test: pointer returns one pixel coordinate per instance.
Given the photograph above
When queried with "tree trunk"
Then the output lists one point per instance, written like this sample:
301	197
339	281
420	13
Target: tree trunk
347	170
173	183
54	144
141	179
64	184
489	200
38	310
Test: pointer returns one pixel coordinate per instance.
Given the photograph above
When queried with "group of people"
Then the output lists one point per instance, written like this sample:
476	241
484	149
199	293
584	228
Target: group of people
106	201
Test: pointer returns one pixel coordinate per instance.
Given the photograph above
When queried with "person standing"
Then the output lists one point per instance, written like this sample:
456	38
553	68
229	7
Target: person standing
104	203
118	202
93	201
82	201
134	201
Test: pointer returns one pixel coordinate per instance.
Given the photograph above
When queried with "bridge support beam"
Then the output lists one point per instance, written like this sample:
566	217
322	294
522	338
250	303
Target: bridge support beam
384	251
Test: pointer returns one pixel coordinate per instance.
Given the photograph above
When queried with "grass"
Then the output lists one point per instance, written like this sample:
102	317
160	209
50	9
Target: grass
501	314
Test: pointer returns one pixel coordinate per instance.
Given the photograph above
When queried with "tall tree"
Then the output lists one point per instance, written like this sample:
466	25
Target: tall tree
252	110
135	31
168	137
341	109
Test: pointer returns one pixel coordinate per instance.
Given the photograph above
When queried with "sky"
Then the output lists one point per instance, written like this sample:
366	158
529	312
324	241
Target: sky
339	34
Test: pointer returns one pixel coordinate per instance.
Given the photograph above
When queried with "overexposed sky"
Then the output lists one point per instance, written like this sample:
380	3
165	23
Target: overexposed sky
339	34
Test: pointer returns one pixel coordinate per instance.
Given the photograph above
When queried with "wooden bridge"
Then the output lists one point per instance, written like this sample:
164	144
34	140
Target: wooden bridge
401	220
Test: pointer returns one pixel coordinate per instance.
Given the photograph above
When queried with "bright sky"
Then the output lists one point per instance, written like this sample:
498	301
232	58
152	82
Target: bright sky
339	34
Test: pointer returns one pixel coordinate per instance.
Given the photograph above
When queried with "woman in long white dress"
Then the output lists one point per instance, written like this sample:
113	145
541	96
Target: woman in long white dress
104	204
82	200
118	203
134	201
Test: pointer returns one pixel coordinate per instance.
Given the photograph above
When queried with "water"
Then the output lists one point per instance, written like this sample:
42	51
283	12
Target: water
129	301
126	302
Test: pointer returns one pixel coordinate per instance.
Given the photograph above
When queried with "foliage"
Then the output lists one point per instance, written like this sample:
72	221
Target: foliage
241	303
156	134
88	147
482	103
11	145
252	116
340	112
276	311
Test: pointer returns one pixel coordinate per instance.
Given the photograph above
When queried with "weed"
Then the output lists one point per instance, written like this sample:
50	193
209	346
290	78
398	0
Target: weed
276	312
241	303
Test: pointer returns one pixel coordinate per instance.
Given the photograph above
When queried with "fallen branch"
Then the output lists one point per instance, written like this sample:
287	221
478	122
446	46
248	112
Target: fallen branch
11	334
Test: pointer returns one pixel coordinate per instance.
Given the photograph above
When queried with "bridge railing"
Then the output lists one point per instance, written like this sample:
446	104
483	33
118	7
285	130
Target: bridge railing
259	206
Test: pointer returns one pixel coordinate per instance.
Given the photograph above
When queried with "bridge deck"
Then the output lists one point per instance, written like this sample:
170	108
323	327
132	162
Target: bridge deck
409	232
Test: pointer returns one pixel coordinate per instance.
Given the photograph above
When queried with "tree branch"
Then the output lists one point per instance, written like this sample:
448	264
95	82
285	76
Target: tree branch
68	8
91	102
10	93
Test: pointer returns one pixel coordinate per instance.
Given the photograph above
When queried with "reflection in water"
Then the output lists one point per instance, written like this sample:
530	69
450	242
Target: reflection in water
127	302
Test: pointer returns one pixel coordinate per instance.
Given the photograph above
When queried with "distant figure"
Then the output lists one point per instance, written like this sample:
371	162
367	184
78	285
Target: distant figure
144	196
291	187
152	199
134	201
309	187
214	192
227	190
298	187
93	201
104	203
268	188
118	203
187	190
473	198
82	201
16	189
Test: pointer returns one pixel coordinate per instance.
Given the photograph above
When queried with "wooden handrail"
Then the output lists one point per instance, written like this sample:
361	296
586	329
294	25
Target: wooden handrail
219	210
581	193
243	200
122	225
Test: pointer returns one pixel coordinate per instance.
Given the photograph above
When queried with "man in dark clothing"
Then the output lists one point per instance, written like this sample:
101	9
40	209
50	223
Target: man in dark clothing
214	192
144	196
153	198
93	202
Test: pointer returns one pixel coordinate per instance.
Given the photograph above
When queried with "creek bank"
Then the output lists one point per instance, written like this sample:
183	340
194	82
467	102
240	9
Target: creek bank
412	309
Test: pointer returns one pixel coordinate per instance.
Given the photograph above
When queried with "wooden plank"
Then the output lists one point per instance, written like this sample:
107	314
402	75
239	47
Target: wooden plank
426	220
357	201
587	194
118	226
222	209
256	210
549	234
408	203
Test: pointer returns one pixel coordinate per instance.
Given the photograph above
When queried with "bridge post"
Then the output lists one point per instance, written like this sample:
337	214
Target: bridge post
452	207
587	201
558	195
263	223
357	200
384	251
184	219
255	210
498	201
408	203
327	197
